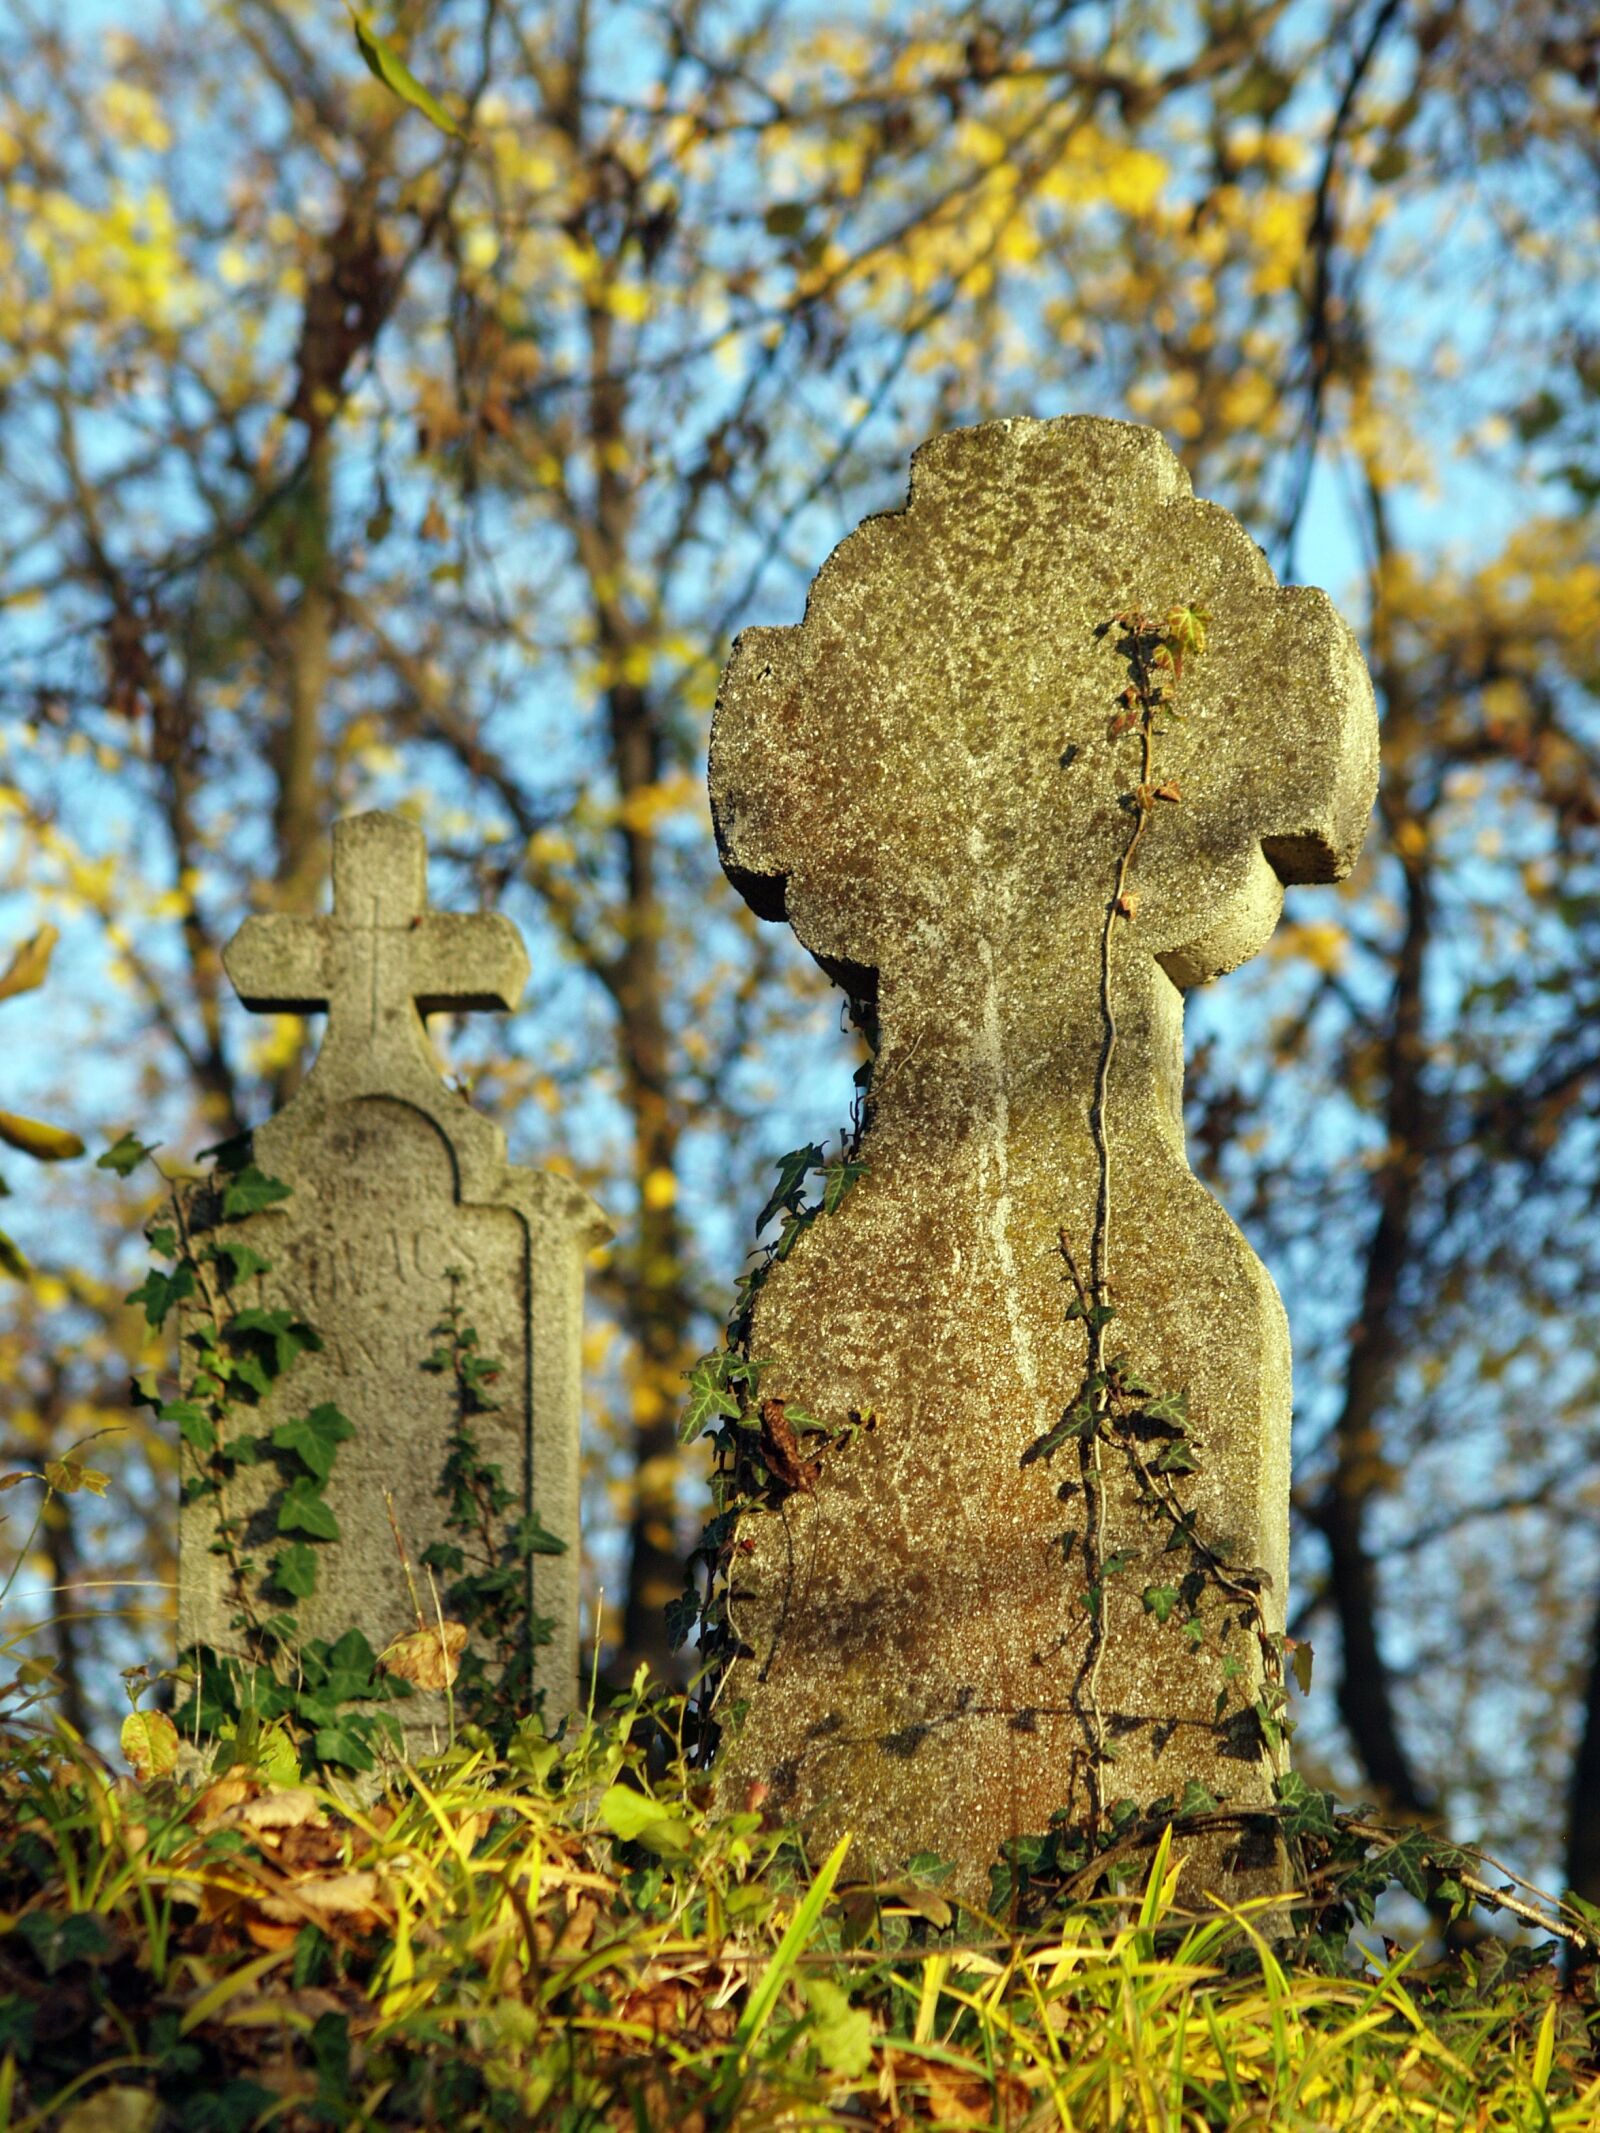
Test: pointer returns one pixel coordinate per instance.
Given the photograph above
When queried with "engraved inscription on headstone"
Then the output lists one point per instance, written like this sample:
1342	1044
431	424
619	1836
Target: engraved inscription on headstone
929	779
399	1193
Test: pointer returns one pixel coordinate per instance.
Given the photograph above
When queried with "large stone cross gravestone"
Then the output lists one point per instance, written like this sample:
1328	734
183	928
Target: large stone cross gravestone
401	1200
935	778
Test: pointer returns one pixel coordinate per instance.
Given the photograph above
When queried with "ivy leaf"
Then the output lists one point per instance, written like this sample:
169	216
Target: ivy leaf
793	1170
1197	1799
242	1261
314	1439
1269	1722
294	1570
305	1510
250	1191
839	1177
1160	1601
1301	1660
1182	1534
58	1938
1310	1812
229	1156
530	1536
795	1225
1177	1459
248	1371
1407	1861
160	1292
683	1617
195	1426
1170	1407
707	1400
342	1744
288	1335
385	63
125	1154
343	1672
1186	635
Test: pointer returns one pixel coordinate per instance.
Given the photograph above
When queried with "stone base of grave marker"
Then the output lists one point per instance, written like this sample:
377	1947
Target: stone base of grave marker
401	1201
936	779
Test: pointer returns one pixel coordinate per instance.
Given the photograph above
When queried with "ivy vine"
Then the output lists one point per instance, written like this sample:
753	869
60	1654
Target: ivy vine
764	1447
490	1554
1114	1412
282	1687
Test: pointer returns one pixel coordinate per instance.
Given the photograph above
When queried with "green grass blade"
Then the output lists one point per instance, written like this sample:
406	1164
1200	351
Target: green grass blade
800	1929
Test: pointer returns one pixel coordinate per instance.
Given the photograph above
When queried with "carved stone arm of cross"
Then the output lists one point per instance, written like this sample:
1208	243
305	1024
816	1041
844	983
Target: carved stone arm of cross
379	963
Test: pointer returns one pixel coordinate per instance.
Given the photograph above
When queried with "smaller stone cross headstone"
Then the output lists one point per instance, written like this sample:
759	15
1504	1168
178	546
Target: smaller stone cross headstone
985	1609
401	1203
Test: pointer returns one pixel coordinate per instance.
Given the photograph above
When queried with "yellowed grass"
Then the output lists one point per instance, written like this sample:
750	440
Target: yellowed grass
550	1942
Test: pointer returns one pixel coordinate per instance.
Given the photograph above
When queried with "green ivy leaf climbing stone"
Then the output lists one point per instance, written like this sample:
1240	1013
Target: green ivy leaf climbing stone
314	1439
305	1510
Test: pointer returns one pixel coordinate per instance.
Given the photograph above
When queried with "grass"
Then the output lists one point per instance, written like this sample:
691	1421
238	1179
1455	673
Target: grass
571	1939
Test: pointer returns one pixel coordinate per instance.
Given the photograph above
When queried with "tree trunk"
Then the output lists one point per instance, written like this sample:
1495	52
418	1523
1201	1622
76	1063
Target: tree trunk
1366	1688
300	803
656	1310
655	1307
1583	1804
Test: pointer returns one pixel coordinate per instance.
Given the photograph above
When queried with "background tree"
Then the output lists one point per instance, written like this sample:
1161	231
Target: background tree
354	457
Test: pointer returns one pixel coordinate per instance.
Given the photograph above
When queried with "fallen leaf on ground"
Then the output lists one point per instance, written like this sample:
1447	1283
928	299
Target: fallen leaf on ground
288	1807
113	2110
318	1896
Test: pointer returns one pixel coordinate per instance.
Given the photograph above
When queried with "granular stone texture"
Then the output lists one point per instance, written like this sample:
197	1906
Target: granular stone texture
395	1182
924	779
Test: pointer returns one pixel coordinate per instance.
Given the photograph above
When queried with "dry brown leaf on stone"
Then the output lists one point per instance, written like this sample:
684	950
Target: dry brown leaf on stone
780	1448
430	1658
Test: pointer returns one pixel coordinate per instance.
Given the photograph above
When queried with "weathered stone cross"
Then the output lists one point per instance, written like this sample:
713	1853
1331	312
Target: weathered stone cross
934	780
381	962
401	1201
